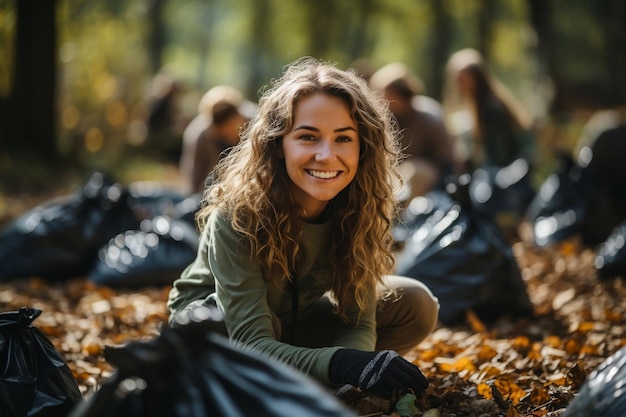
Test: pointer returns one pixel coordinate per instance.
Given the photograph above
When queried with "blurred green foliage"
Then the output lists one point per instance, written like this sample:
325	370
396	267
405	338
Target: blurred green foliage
109	53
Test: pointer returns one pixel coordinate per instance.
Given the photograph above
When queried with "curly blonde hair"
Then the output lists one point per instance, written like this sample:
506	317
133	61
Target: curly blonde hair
252	186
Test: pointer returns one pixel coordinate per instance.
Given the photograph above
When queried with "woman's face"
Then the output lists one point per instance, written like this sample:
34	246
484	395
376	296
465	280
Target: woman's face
465	82
321	151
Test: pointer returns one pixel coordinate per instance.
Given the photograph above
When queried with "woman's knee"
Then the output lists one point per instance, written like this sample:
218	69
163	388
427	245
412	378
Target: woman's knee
418	302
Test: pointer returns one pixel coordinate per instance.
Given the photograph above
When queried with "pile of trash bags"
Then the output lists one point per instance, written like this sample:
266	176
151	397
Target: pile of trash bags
133	236
586	198
189	370
460	253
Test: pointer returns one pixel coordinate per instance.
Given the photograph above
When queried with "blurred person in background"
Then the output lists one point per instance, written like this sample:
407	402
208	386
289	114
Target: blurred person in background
490	126
222	112
423	133
494	139
164	122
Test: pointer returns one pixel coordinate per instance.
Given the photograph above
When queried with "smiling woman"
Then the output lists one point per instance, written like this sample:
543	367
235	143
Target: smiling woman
321	153
296	242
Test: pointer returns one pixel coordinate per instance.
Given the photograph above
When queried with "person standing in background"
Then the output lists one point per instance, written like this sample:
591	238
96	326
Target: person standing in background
222	112
423	133
490	126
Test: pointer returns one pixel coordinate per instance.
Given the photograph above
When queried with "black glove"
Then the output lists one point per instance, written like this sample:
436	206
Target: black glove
381	373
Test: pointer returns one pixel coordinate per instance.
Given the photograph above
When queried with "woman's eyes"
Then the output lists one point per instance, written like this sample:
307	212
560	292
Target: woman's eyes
342	138
307	137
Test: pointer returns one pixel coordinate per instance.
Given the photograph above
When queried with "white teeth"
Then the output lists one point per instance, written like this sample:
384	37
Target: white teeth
324	174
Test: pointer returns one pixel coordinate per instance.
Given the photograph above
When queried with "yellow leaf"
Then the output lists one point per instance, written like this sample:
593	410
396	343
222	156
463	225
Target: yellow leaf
461	364
485	391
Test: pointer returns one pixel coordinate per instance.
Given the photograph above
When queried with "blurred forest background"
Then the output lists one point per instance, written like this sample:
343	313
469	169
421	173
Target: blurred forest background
77	76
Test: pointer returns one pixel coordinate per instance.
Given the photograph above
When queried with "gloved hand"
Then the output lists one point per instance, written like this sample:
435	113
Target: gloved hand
381	373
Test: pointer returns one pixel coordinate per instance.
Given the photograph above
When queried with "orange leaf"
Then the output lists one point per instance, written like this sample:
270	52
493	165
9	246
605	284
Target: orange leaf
510	390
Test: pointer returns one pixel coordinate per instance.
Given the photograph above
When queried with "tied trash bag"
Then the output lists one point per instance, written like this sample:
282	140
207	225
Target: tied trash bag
34	379
503	193
610	261
602	393
60	240
560	207
461	256
155	254
191	370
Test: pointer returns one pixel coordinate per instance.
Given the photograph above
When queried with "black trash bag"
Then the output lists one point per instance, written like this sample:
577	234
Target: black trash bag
503	193
35	381
560	208
154	255
187	209
602	393
59	240
610	261
192	371
607	172
462	256
150	199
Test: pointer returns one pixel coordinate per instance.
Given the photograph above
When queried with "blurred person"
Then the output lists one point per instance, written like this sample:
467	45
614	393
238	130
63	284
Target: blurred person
490	126
222	112
424	136
296	245
164	120
494	139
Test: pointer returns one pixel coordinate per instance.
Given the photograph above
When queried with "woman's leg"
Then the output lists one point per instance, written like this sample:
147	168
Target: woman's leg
407	314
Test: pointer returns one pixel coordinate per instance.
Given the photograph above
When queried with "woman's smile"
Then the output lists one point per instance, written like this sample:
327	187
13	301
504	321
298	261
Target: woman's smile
323	174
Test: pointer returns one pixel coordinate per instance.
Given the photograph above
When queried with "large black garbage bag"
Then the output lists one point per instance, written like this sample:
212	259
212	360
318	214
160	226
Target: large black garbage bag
560	208
503	193
150	199
192	371
586	198
462	256
607	172
610	259
602	393
155	254
35	381
60	239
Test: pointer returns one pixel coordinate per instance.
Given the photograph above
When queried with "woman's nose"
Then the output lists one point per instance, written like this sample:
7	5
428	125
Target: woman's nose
324	152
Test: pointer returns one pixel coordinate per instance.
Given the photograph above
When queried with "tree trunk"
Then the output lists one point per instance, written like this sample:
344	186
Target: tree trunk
29	118
440	48
486	16
156	37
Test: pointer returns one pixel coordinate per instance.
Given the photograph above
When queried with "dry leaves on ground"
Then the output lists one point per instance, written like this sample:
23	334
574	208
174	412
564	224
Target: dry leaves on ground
524	368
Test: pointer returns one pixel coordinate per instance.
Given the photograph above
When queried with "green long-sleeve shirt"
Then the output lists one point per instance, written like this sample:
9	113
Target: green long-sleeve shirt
224	265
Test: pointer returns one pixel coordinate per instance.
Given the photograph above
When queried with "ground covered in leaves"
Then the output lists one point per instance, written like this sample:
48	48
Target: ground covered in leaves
525	368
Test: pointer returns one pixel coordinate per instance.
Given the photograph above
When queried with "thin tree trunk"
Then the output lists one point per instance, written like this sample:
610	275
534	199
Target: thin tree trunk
30	113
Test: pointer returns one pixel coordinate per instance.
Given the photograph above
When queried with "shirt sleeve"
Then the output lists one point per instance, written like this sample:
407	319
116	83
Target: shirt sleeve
241	294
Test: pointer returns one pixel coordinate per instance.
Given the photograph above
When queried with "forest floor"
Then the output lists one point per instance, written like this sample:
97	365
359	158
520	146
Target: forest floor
512	368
